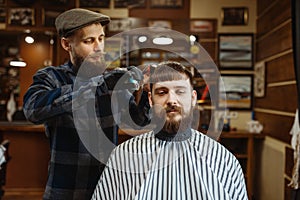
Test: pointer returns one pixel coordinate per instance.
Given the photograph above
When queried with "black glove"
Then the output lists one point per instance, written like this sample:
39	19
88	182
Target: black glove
112	77
127	78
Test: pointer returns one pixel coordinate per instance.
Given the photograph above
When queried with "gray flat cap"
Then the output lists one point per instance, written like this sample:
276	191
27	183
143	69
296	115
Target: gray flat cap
76	18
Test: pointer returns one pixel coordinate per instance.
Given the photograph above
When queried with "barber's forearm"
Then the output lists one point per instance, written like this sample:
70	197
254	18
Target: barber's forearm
40	103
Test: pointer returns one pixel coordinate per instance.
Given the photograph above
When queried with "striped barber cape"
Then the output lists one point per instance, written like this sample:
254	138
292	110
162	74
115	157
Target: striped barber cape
148	167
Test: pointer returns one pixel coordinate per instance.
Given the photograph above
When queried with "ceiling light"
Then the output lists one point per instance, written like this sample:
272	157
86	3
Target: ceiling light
29	39
142	38
162	40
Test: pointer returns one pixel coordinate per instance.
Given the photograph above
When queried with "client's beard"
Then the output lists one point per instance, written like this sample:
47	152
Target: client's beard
175	126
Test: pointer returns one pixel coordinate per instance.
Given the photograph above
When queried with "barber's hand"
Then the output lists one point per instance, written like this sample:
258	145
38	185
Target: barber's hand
125	78
136	73
112	77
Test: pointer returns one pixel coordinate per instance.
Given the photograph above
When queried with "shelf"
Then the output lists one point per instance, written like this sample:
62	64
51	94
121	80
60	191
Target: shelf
241	144
241	156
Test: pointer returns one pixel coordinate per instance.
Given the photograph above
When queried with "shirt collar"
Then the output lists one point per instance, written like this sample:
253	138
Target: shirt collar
176	137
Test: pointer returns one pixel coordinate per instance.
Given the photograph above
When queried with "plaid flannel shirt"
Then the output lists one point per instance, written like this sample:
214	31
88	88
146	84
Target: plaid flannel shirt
73	172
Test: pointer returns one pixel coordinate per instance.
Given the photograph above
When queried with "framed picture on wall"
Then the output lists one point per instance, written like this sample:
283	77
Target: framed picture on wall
236	91
198	26
21	16
49	16
235	51
166	3
120	24
94	3
2	18
2	2
129	3
55	2
160	24
113	55
233	16
259	79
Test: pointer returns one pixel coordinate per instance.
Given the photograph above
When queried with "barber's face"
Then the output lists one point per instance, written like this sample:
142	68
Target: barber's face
87	45
175	98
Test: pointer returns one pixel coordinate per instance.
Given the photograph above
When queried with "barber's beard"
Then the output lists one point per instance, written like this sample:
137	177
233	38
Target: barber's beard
177	122
88	68
78	60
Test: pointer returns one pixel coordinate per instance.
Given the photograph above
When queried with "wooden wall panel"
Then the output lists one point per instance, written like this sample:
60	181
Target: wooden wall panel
274	17
40	50
210	47
162	13
276	99
280	69
287	190
180	25
289	157
29	159
276	126
276	42
262	5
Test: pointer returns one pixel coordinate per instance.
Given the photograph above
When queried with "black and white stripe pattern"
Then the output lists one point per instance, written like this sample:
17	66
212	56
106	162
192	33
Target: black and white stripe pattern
149	168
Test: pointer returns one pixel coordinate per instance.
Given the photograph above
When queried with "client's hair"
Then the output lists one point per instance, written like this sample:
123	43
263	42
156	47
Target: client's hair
169	71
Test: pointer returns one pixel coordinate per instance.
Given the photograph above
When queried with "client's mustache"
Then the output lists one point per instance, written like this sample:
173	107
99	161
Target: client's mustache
173	108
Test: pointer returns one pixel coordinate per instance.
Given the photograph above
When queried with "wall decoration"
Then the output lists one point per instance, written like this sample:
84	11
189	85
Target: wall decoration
166	3
94	3
259	79
25	2
234	16
238	92
2	18
49	16
204	28
235	51
160	24
120	3
9	85
55	2
119	25
113	52
197	26
150	55
204	89
295	5
129	3
21	16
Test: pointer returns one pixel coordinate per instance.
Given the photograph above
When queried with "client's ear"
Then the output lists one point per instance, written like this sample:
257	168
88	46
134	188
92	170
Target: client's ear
150	99
194	97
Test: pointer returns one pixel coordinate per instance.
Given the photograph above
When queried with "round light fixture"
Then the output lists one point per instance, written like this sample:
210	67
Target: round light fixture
162	40
142	39
29	39
192	38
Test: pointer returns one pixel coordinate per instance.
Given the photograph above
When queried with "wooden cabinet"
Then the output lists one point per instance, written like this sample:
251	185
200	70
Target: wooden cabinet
29	151
242	145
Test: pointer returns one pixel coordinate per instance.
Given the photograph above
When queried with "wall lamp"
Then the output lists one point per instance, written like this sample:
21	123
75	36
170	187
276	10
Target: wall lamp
17	62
